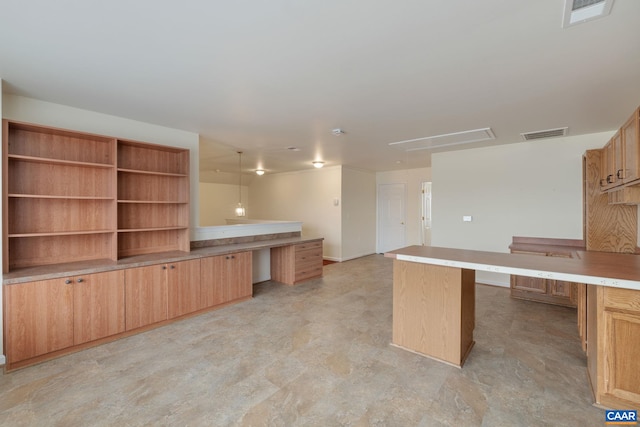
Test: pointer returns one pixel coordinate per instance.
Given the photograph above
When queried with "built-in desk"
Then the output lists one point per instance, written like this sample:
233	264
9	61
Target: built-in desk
434	308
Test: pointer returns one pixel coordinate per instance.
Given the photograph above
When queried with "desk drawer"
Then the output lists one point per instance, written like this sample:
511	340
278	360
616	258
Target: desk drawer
310	255
307	246
308	272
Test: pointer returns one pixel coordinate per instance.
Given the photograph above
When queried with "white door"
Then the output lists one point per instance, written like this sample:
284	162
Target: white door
391	217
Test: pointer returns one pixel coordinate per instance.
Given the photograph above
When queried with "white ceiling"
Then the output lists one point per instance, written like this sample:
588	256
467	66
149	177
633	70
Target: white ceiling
261	76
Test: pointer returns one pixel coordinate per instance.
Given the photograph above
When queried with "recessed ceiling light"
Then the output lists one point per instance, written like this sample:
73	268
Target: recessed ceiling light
317	164
337	132
260	171
293	149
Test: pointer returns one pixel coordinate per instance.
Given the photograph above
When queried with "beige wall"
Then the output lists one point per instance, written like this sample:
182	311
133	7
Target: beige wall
218	202
306	196
358	213
413	179
523	189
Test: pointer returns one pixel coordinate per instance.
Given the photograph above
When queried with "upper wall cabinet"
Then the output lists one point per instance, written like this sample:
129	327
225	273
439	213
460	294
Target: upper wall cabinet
620	163
72	196
630	133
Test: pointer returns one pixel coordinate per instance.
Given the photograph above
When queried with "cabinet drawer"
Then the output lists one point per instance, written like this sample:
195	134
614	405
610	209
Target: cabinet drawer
308	272
622	299
307	246
311	255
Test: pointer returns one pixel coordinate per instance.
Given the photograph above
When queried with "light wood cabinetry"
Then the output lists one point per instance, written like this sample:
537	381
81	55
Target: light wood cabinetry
226	278
46	316
38	318
609	318
619	168
434	310
72	196
153	199
630	133
296	263
558	292
184	288
613	345
98	306
145	296
607	228
159	292
59	196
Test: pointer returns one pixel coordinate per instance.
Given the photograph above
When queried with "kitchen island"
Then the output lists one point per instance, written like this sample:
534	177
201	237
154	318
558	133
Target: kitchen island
434	308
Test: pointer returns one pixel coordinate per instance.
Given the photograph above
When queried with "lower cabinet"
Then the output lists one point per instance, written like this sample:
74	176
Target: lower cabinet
613	346
548	291
226	278
160	292
296	263
183	288
47	318
98	306
49	315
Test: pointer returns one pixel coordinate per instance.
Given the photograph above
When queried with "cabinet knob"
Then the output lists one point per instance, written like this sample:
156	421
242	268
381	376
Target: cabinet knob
68	281
619	174
609	179
80	280
164	267
173	266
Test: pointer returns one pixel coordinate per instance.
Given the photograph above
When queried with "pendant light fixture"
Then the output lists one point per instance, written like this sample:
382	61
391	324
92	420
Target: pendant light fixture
240	211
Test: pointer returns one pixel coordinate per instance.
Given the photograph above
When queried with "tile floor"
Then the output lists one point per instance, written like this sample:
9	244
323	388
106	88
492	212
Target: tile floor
317	354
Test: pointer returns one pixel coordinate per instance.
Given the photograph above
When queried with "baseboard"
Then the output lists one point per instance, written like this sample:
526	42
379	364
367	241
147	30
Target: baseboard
493	283
348	258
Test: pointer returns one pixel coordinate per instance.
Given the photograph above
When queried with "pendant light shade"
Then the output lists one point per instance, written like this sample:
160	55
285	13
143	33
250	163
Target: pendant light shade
240	211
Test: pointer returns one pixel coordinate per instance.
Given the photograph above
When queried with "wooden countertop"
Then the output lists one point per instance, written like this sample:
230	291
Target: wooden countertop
596	268
98	266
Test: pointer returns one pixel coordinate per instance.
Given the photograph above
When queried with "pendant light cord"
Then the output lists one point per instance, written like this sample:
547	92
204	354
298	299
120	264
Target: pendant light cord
239	176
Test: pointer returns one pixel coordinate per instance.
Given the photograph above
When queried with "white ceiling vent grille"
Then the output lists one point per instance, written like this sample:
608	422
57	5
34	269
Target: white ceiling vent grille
579	11
542	134
445	140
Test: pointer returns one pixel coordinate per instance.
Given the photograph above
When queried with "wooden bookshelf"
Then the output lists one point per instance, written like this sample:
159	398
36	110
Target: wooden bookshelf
60	196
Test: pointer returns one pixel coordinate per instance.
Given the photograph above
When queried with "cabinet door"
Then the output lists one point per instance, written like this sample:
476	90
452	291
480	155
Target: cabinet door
39	318
183	283
213	276
607	174
530	284
98	306
145	296
239	276
630	136
621	346
560	288
226	278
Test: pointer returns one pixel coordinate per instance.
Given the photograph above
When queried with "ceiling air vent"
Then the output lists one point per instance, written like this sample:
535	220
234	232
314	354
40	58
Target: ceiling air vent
579	11
541	134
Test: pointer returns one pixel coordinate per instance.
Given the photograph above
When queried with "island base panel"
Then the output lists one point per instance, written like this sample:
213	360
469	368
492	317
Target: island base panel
434	310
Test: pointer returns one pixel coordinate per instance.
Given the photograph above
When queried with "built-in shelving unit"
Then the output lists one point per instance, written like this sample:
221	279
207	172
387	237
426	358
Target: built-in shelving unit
153	198
72	196
60	195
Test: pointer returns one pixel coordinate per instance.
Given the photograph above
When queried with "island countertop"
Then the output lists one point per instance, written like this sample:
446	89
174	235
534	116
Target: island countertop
595	268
